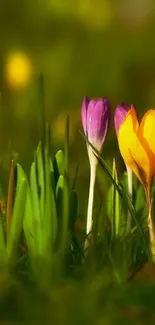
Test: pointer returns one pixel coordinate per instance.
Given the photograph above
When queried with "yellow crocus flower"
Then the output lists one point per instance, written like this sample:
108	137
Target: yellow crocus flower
137	146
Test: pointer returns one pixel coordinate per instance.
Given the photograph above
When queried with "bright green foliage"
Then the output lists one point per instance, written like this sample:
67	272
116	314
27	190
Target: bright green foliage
41	213
47	215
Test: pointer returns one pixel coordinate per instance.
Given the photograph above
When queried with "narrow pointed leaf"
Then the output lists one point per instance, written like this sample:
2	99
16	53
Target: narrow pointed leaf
60	161
11	194
59	197
41	179
36	208
18	215
50	218
3	252
66	148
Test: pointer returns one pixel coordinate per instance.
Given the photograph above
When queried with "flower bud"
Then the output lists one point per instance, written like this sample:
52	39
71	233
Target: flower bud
120	115
95	119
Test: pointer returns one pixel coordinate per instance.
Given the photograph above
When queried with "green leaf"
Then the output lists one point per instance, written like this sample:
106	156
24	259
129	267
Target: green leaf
18	215
114	204
59	196
52	173
36	208
28	222
41	179
3	252
65	219
125	211
60	162
28	216
66	147
11	194
62	196
29	226
140	198
50	218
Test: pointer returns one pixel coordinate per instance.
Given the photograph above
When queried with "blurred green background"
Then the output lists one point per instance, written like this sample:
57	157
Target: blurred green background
83	47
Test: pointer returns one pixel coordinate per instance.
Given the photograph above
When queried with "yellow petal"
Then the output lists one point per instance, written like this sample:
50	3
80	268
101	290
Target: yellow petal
146	132
131	149
131	120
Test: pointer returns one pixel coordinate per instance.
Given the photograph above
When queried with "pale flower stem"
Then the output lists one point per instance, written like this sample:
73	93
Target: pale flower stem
151	232
91	199
93	167
130	191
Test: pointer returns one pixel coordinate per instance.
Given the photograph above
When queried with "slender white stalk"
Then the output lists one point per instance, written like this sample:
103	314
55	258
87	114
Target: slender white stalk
130	190
93	167
91	198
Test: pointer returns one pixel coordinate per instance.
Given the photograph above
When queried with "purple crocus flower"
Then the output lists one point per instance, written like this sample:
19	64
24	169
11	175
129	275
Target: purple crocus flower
95	120
120	115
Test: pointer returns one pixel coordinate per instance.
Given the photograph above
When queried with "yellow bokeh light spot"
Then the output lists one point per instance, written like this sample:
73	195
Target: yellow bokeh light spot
18	70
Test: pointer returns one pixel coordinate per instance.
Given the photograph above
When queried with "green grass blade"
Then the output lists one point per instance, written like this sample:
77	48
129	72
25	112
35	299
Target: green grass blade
66	147
18	215
36	208
127	201
113	204
29	226
60	162
41	115
28	222
50	218
59	197
41	179
10	199
3	252
63	213
116	202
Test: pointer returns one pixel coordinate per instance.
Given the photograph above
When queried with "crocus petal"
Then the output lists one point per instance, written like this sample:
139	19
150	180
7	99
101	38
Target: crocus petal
119	116
146	131
132	151
146	135
98	118
85	104
131	119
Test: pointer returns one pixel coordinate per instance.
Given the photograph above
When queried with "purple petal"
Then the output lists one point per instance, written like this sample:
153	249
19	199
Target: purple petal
98	118
120	115
85	104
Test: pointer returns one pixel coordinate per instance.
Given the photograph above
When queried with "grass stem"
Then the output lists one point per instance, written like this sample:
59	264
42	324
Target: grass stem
151	231
130	189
